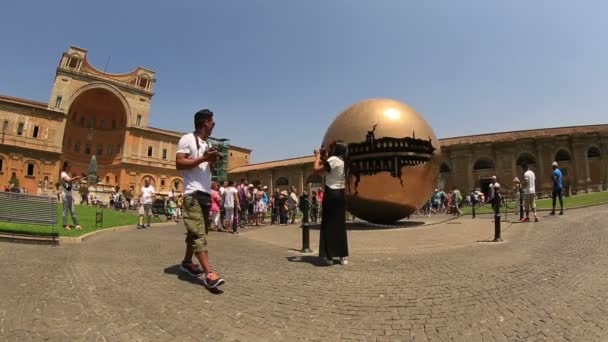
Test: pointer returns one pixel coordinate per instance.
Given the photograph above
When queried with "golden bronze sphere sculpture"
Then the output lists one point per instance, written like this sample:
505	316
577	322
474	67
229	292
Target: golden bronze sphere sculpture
393	159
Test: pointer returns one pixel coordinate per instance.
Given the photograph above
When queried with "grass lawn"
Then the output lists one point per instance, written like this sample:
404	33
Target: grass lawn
86	218
546	203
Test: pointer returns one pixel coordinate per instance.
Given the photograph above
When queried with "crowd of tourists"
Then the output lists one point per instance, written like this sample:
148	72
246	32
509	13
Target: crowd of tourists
243	205
524	196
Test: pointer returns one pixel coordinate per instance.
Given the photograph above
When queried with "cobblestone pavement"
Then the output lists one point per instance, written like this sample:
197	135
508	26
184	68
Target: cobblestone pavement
547	282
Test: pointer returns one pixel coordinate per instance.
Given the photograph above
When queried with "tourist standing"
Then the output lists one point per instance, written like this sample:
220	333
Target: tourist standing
333	238
314	207
231	203
529	193
194	158
68	198
557	188
292	205
494	197
146	198
519	192
274	206
457	199
304	207
215	207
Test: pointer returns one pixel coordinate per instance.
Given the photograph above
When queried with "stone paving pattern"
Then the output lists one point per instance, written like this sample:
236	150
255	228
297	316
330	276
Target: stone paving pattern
548	281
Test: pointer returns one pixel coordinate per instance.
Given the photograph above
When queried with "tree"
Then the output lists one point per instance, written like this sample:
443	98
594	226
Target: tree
92	177
14	181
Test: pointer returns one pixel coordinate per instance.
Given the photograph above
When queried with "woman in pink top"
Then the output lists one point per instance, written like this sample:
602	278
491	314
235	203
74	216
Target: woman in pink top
215	207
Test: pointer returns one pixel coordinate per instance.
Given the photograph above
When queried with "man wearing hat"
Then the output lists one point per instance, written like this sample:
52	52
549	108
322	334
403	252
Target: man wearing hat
557	188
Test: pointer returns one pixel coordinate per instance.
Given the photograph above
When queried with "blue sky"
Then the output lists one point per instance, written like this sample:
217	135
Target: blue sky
277	72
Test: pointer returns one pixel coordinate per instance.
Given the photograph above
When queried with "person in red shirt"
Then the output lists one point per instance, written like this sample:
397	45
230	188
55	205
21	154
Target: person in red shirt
215	207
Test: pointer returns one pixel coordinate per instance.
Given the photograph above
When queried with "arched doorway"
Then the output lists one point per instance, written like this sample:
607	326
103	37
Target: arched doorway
96	125
484	169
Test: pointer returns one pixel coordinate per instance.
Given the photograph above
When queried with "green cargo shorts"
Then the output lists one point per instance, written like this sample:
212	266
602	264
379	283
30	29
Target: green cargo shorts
197	220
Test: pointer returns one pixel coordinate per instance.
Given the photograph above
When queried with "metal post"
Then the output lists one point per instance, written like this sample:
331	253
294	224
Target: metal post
521	206
496	209
305	239
497	227
474	204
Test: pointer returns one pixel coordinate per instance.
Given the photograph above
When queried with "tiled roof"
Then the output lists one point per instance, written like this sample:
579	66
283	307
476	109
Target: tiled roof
273	164
17	100
470	139
516	135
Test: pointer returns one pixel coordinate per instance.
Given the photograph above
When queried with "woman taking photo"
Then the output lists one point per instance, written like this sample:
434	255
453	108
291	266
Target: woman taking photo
333	241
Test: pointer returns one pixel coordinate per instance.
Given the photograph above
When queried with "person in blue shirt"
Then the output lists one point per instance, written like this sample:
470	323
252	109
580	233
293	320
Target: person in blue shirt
557	188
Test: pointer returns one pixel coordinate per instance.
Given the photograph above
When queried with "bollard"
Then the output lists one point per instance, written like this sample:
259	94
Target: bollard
474	204
305	239
497	228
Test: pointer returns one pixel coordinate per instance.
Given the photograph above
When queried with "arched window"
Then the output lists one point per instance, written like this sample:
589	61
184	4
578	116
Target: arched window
483	164
562	156
282	181
525	158
444	168
593	153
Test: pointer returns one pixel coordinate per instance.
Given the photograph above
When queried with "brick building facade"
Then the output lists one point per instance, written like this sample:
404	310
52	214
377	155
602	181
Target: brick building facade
470	161
91	112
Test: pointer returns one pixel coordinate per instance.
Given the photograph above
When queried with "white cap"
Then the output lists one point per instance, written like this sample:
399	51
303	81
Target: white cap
554	164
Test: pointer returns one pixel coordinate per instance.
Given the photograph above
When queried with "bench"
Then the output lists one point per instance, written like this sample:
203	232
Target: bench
32	209
25	208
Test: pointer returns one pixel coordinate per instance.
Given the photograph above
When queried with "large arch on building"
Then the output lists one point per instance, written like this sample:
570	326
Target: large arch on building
97	121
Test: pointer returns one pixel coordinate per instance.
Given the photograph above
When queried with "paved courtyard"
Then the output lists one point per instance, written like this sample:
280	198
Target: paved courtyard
548	281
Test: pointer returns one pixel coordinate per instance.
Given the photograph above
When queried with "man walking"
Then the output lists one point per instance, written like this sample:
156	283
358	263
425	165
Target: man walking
193	158
529	193
557	188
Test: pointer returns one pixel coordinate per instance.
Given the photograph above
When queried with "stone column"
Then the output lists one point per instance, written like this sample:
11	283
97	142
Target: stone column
579	159
541	177
301	177
271	187
604	157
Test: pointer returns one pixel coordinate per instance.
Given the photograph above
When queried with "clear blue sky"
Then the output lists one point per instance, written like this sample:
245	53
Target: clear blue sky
277	72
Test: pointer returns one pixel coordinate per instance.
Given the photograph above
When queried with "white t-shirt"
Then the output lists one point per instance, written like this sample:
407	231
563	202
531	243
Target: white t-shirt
335	177
197	178
146	194
493	188
529	180
65	183
229	195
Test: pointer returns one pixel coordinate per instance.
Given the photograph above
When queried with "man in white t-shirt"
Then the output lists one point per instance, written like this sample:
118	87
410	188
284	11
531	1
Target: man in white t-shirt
529	188
195	158
68	198
231	202
146	198
494	197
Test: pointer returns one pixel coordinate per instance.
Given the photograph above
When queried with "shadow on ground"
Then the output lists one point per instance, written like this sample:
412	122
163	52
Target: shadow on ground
175	270
313	260
364	225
